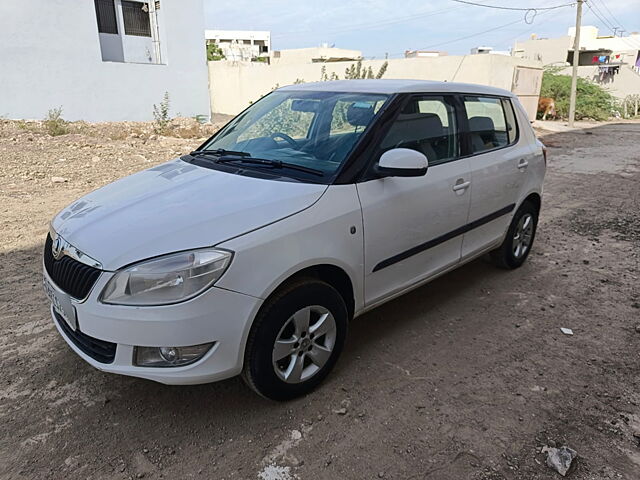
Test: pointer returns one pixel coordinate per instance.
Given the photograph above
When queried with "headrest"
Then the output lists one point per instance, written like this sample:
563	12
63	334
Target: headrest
414	127
421	125
359	114
481	124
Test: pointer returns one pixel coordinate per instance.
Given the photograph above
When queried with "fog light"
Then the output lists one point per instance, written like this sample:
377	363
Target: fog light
169	356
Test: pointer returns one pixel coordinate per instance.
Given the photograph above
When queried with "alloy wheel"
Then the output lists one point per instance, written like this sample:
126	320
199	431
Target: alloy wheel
304	344
522	236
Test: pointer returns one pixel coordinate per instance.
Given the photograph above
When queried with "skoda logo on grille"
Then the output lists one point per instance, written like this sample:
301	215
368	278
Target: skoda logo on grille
57	247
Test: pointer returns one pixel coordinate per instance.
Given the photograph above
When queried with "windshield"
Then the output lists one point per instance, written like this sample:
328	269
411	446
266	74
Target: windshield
301	131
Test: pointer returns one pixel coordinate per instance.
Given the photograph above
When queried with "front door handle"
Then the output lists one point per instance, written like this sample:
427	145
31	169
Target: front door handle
461	185
522	164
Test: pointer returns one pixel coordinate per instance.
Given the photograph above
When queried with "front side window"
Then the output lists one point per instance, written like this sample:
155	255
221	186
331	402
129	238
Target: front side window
426	124
313	130
136	18
487	123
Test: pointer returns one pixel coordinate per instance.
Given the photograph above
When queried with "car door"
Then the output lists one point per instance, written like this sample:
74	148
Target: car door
410	222
498	163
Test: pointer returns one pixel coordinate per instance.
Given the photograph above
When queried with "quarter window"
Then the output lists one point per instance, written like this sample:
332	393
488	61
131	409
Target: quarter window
512	124
426	124
487	123
136	18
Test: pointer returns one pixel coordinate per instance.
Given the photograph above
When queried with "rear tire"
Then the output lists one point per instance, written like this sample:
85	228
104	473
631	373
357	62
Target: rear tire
295	340
519	239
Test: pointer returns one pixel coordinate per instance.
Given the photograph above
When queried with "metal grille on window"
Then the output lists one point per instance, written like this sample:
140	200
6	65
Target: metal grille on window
106	15
136	18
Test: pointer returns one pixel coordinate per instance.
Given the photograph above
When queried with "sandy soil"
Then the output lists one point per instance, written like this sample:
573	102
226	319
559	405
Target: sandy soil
466	378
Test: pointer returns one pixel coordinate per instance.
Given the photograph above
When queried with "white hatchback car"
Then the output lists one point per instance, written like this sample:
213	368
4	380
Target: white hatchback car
316	204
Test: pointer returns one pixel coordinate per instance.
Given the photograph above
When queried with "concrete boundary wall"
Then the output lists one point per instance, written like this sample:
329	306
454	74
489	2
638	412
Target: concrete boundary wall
234	85
626	82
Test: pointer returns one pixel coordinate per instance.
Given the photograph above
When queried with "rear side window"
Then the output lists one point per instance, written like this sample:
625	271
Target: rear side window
426	124
488	122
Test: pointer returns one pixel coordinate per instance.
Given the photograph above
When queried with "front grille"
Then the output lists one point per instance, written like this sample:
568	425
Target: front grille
71	276
99	350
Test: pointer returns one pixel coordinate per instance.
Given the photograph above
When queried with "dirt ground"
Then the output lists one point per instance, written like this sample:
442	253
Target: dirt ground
465	378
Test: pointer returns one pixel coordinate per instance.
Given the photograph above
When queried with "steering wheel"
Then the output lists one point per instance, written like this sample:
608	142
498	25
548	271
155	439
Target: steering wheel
286	138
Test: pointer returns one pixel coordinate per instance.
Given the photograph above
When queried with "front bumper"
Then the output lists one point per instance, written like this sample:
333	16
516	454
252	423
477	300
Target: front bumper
217	315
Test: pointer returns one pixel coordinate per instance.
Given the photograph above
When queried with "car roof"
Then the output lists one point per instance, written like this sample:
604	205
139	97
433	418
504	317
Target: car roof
387	86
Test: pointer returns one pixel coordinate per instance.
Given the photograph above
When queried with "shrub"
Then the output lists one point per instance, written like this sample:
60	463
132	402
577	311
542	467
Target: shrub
631	106
355	71
161	116
592	100
54	124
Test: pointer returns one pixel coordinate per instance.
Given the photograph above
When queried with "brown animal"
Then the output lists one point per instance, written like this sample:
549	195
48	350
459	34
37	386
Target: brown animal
547	106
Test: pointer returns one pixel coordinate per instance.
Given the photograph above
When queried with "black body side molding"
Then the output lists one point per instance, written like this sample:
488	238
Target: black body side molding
443	238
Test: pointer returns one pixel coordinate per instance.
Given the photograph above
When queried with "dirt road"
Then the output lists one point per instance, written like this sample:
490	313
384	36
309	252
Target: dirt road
465	378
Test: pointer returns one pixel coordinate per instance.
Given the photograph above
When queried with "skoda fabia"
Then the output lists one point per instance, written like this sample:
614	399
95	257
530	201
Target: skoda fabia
319	202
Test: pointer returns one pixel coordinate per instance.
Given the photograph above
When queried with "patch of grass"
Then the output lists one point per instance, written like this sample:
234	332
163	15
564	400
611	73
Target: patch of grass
54	124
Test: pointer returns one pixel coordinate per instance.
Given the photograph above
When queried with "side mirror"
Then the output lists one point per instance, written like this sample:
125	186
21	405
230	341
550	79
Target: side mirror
402	162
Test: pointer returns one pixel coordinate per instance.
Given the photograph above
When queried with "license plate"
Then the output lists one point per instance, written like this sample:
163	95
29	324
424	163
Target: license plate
61	304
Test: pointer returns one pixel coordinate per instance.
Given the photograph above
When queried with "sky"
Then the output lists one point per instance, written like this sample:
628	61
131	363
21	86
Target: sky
388	27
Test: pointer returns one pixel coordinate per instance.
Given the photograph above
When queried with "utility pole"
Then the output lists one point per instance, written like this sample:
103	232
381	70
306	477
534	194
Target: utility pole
576	60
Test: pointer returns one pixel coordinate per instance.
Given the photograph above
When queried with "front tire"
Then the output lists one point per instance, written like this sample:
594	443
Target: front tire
295	340
519	239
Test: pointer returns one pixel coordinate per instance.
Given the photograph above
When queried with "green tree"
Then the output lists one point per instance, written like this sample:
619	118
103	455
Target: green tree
214	52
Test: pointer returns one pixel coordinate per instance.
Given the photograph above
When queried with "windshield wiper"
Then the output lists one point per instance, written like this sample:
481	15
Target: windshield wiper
218	152
270	163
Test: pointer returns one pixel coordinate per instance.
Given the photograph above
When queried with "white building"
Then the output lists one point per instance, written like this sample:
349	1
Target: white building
559	51
610	61
322	54
424	53
482	50
241	45
103	59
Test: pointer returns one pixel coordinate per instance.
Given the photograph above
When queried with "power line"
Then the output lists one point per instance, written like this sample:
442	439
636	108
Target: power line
529	15
612	15
519	34
628	41
499	7
461	38
372	25
472	35
598	13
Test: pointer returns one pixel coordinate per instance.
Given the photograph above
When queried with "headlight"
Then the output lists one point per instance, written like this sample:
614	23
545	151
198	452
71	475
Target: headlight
169	279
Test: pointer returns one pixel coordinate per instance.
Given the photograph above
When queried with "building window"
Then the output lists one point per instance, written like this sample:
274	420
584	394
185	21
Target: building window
136	18
106	15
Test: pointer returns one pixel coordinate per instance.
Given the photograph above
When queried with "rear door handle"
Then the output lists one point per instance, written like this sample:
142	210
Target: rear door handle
522	164
461	185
